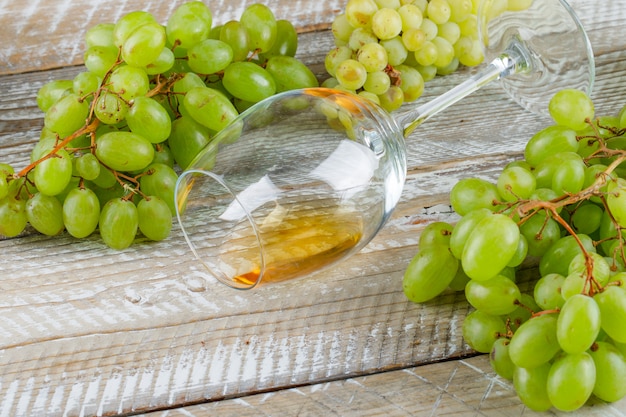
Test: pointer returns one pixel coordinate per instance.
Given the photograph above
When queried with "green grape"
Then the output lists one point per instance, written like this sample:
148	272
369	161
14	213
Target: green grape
4	186
128	24
210	107
540	233
496	296
481	330
235	36
558	257
45	214
52	175
411	16
88	166
359	12
473	193
154	218
341	28
535	342
144	44
520	253
463	228
607	233
361	37
469	51
549	141
616	200
392	99
413	39
571	108
436	233
547	291
490	247
612	304
396	51
430	28
81	209
85	83
260	23
335	57
100	35
51	92
67	115
186	140
118	223
527	307
110	108
290	73
546	169
189	24
248	81
129	82
570	177
429	273
105	178
601	270
610	365
571	380
124	151
13	218
162	64
100	59
587	218
377	82
412	83
373	56
351	74
209	56
286	43
578	323
500	359
439	11
369	96
160	181
163	155
450	68
459	281
386	23
450	31
516	183
427	54
531	386
445	52
149	119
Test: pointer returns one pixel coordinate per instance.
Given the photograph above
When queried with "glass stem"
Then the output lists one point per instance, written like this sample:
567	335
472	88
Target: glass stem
513	61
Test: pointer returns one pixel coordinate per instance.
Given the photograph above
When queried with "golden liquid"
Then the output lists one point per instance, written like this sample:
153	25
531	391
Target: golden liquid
293	245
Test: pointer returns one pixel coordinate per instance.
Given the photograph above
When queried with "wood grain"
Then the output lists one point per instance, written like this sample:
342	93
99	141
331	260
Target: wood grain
86	330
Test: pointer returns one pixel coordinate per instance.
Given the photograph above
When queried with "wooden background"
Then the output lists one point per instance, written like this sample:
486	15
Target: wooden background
85	330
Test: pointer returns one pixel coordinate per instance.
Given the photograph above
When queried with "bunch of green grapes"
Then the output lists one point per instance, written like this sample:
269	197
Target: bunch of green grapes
150	98
387	49
564	207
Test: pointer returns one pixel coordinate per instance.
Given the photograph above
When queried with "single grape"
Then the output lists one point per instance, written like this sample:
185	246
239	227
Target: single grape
429	273
361	37
490	247
236	37
600	268
464	227
559	256
610	365
540	233
248	81
88	166
496	296
413	39
290	73
612	304
377	82
124	151
411	16
481	330
210	107
571	108
110	108
396	51
149	119
52	175
500	360
129	82
450	31
535	342
386	23
373	56
209	56
436	233
118	223
100	59
187	138
51	92
190	23
547	291
412	84
13	217
571	381
128	24
144	45
516	183
154	218
427	54
473	193
160	181
439	11
531	385
100	34
549	141
85	83
586	218
341	28
359	12
81	209
67	115
392	99
578	323
45	214
351	74
260	23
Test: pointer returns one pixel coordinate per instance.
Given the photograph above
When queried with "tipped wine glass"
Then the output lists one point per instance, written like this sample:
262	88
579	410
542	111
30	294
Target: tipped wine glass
308	177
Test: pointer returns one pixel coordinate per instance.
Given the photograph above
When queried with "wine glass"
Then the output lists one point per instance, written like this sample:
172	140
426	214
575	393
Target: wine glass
308	177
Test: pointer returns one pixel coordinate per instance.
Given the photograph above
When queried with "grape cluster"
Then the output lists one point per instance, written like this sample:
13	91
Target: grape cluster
150	98
387	49
562	207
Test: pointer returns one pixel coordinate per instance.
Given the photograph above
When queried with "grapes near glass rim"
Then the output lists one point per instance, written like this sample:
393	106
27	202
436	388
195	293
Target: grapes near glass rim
563	208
